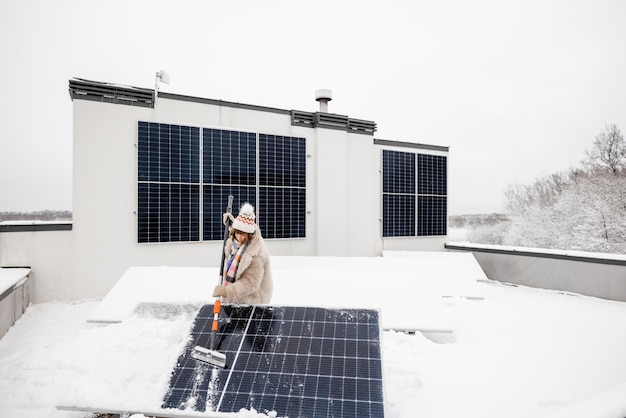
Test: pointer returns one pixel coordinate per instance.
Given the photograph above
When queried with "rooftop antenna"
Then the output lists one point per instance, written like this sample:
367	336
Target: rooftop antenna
161	77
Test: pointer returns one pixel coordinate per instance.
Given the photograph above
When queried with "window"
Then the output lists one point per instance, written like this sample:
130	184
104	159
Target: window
414	194
183	188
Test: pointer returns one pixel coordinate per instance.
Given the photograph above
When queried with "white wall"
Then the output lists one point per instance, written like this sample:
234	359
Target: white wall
49	254
412	244
331	202
105	199
347	194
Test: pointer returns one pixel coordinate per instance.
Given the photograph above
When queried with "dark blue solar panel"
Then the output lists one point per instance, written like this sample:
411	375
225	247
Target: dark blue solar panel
432	216
398	193
168	173
168	168
168	212
282	177
282	161
407	210
398	172
168	153
142	157
214	198
432	174
296	361
229	157
398	215
282	212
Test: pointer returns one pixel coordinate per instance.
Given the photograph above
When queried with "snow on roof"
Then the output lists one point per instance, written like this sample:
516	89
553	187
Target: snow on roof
407	287
531	250
12	277
34	222
521	352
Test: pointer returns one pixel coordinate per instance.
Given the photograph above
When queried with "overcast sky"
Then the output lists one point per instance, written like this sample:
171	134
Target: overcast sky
516	89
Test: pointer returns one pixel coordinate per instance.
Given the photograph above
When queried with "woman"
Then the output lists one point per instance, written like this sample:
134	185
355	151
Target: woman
247	274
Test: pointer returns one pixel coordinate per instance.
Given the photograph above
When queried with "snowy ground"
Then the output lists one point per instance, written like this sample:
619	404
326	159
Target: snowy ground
516	353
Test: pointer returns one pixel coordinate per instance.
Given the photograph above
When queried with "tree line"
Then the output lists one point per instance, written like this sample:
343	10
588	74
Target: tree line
583	208
40	215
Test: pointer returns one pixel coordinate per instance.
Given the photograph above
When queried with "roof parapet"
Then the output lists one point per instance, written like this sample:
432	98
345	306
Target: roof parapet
332	121
110	93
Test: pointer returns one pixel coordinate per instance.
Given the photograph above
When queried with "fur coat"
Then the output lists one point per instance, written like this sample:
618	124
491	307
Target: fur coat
253	280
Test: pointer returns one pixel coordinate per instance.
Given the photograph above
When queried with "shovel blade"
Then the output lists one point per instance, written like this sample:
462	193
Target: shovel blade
212	357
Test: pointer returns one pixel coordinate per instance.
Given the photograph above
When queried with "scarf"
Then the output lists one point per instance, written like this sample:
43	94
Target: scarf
230	269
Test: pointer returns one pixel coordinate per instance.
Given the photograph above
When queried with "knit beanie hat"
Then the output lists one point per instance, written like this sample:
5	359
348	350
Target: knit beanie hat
245	220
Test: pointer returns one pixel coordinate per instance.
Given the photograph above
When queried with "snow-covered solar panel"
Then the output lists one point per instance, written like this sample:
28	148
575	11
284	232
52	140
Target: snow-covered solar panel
296	361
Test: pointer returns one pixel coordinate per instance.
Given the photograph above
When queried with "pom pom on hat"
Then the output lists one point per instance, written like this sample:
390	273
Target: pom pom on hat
245	220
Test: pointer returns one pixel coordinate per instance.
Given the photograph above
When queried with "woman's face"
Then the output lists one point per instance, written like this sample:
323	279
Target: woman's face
242	237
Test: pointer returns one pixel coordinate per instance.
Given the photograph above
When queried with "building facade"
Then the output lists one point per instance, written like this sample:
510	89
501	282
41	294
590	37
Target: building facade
152	172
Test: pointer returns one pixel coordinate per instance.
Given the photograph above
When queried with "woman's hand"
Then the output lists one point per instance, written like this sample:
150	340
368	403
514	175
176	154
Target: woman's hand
219	291
226	216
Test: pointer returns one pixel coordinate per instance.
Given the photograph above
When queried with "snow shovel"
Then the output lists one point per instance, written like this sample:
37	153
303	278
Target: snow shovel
211	355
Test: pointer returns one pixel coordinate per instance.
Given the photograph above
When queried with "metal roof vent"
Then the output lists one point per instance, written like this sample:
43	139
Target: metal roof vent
323	96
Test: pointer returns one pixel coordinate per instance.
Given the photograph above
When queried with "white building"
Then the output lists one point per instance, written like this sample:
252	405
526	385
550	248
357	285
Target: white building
152	176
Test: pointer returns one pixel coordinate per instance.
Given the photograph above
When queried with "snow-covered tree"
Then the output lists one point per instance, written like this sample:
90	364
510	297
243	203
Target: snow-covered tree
543	192
580	209
608	150
589	215
594	216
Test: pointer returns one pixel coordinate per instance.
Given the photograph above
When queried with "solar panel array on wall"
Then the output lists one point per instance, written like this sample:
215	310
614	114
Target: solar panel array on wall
414	194
182	187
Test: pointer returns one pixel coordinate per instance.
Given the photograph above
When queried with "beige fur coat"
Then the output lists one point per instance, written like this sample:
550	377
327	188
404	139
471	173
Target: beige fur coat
253	281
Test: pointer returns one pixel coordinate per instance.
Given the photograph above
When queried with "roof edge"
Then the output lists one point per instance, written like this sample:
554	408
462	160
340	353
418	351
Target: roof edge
415	145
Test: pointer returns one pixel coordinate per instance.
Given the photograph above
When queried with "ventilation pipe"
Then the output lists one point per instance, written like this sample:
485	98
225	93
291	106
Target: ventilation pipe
323	96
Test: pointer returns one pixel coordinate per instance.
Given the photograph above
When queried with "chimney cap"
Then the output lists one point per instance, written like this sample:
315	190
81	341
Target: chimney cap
324	95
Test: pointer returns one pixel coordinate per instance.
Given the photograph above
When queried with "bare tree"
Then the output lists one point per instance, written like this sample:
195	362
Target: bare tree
543	192
608	150
517	199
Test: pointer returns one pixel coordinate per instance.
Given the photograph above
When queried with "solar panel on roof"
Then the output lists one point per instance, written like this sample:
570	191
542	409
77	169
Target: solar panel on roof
297	361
